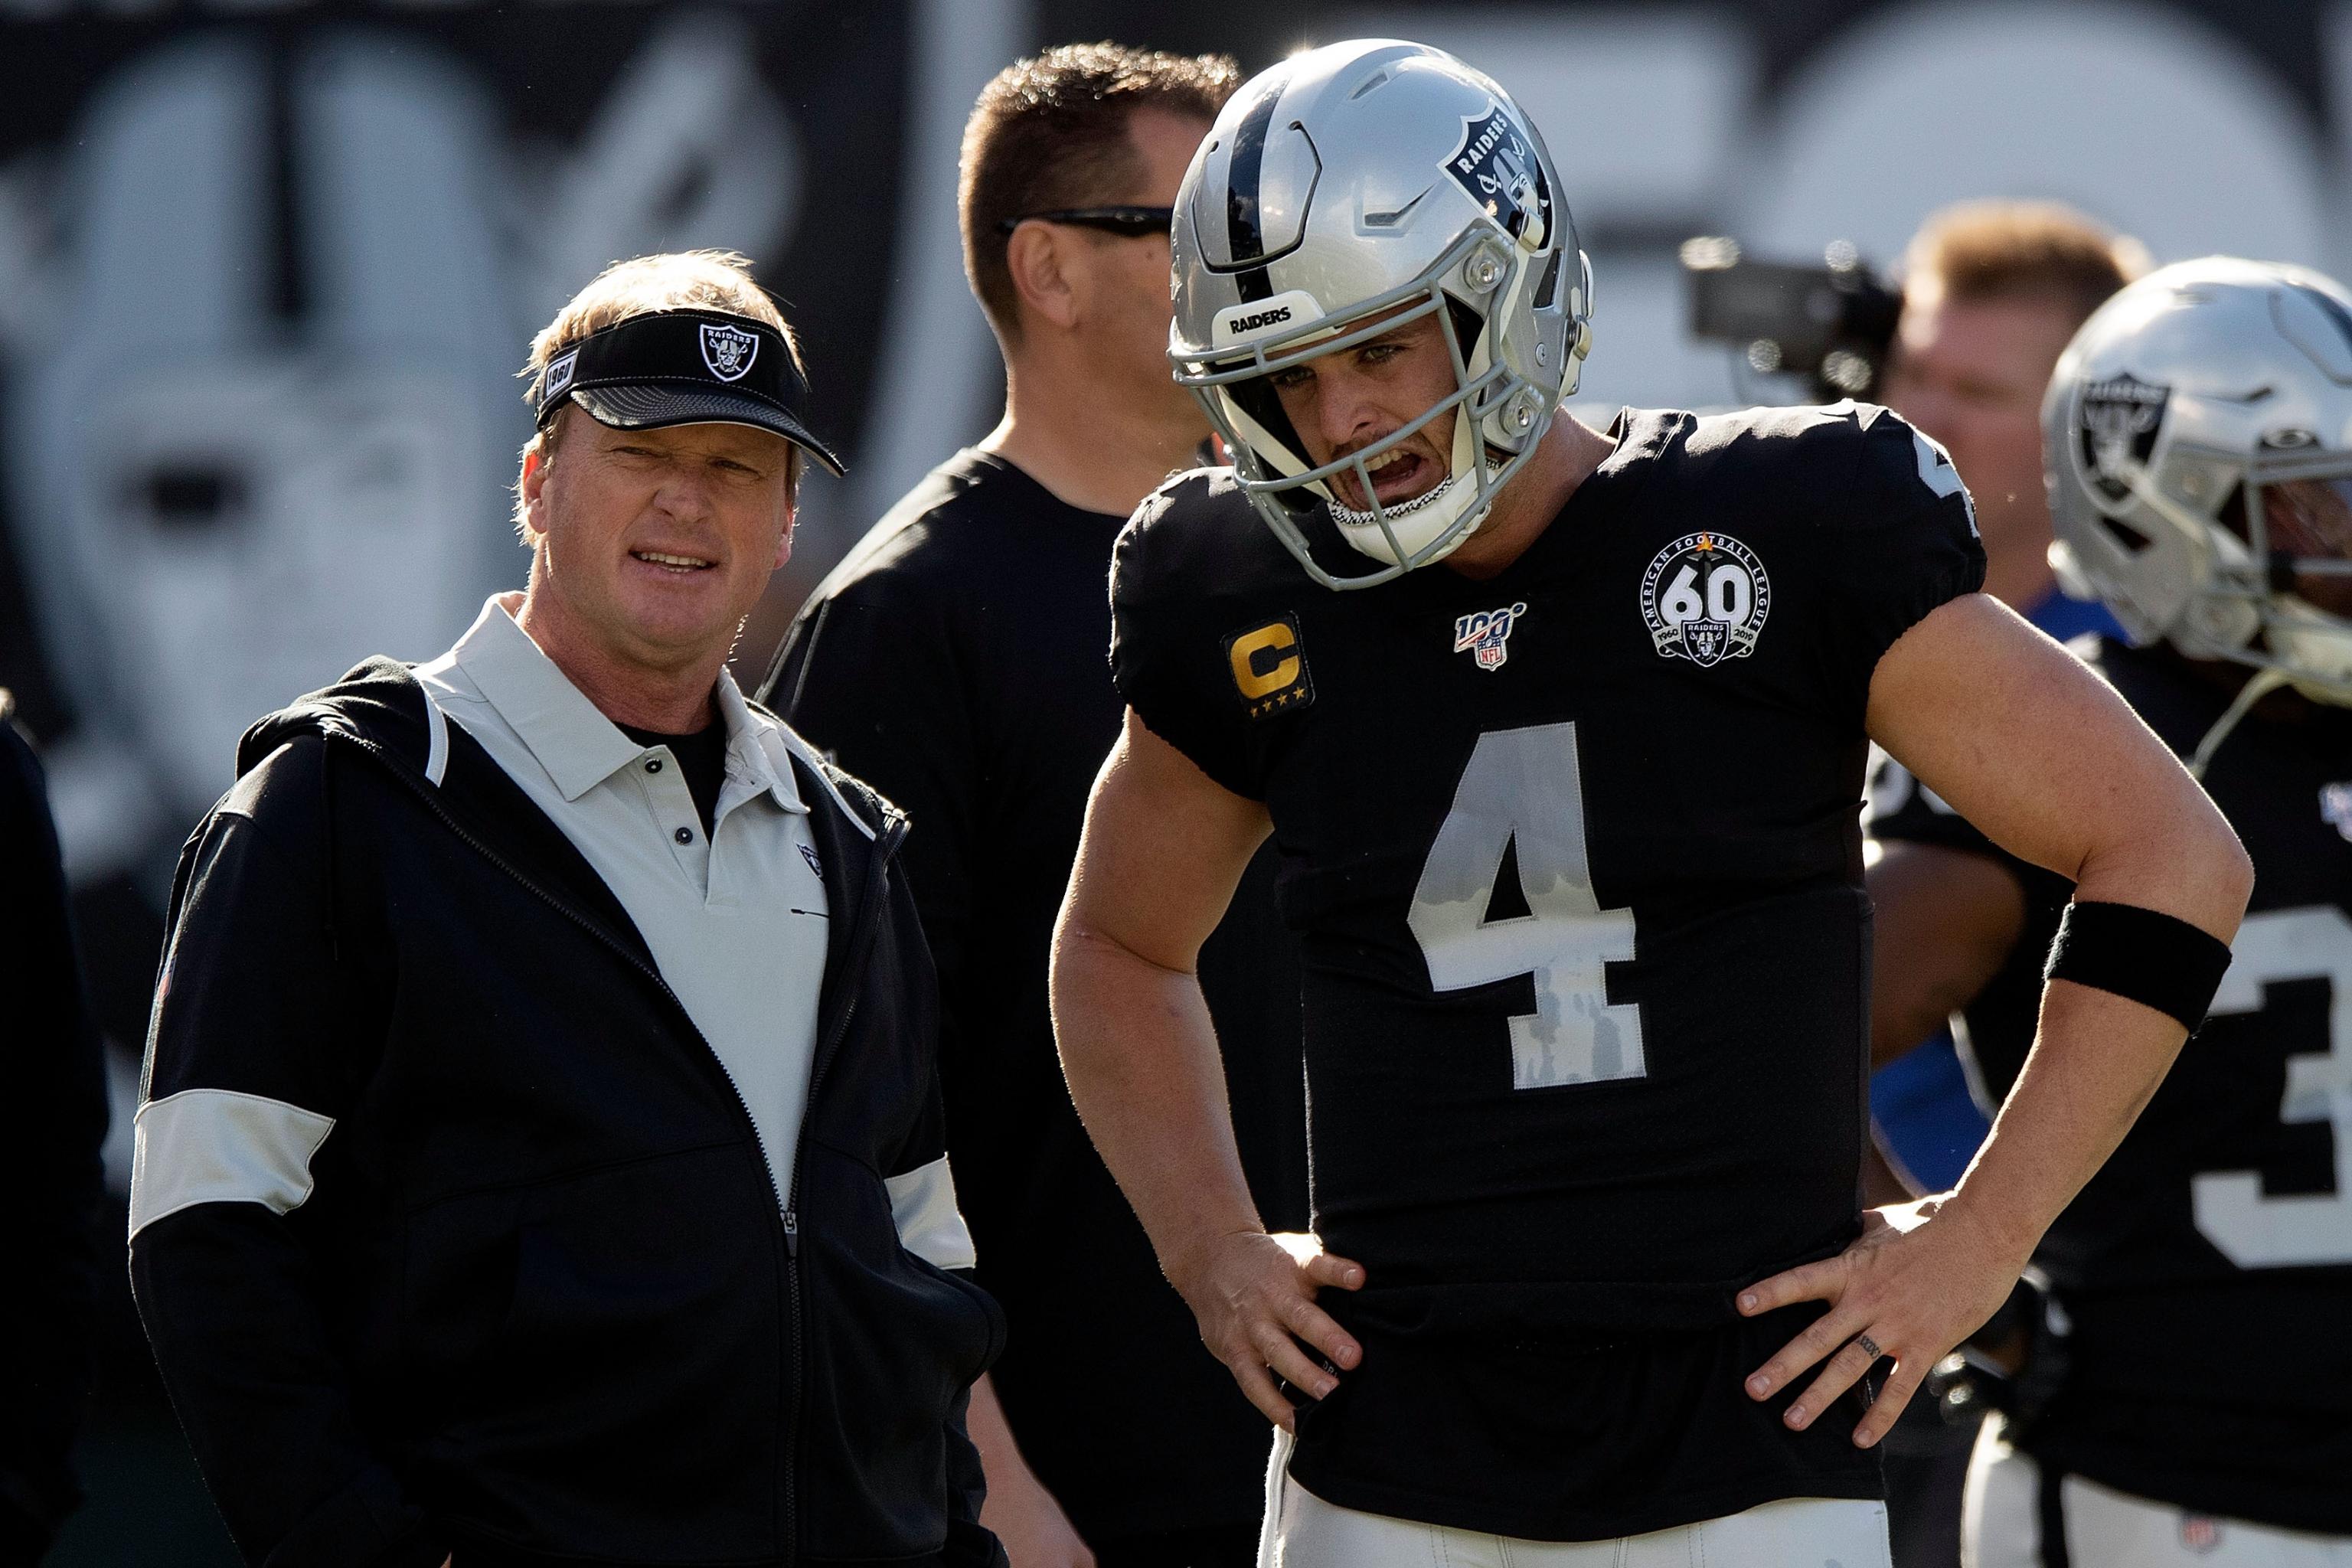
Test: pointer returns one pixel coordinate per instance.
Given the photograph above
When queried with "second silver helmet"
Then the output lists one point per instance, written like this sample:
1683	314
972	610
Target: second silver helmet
2198	442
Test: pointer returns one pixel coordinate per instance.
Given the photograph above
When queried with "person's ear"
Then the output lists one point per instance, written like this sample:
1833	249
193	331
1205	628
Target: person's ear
1042	258
533	483
784	540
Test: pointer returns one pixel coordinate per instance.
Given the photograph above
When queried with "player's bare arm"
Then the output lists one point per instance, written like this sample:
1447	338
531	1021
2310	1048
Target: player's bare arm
1163	848
1943	924
2051	764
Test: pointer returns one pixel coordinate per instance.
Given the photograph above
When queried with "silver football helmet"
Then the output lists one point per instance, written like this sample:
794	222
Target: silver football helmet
1348	190
2196	441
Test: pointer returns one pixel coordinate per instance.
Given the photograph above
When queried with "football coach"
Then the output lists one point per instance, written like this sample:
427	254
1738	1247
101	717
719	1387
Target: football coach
539	1161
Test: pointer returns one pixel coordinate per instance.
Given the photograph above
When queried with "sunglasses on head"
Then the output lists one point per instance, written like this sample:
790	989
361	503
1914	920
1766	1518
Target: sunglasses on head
1131	221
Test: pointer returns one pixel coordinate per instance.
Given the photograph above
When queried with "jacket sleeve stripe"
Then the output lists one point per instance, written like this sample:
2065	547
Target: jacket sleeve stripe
218	1146
923	1205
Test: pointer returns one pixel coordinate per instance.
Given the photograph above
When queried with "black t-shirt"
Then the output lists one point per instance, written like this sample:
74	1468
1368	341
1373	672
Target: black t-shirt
2205	1273
1574	856
955	661
701	758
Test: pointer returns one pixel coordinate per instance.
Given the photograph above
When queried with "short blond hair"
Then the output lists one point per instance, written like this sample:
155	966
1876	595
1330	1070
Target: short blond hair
642	286
2024	251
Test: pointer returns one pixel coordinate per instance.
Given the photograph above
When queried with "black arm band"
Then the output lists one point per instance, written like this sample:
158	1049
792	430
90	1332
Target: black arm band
2155	959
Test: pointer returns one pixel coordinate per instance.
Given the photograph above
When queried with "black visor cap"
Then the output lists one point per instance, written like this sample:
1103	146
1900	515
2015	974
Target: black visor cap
683	367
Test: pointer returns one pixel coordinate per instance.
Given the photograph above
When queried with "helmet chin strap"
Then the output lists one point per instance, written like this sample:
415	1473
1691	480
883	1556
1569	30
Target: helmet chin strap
2259	684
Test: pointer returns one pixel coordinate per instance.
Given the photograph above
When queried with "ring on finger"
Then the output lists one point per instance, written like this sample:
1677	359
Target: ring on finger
1869	1346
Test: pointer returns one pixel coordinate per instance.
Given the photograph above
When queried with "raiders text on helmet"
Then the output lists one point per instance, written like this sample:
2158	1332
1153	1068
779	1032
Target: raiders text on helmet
2177	413
1346	190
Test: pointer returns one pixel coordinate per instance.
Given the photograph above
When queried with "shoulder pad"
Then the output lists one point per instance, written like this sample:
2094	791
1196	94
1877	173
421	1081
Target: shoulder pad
1197	535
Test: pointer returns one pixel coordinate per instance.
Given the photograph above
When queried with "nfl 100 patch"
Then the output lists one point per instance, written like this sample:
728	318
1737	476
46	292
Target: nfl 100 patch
729	351
1704	598
1485	635
1269	668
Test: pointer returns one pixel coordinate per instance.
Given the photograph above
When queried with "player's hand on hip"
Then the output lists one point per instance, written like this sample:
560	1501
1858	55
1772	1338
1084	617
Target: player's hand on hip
1034	1532
1254	1296
1921	1278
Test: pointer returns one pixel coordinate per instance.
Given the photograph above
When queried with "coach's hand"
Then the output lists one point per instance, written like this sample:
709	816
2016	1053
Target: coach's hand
1923	1277
1253	1295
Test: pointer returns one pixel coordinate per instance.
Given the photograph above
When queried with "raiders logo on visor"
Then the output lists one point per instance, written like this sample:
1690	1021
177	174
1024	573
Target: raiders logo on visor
729	351
684	367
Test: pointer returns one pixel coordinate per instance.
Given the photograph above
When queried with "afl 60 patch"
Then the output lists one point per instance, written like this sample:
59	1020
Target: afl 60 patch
1704	598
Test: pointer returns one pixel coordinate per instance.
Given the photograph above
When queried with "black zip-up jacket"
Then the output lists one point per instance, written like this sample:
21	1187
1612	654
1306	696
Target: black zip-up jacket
542	1302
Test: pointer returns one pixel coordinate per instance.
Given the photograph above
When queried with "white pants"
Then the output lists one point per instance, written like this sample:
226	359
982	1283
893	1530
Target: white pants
1302	1530
2001	1524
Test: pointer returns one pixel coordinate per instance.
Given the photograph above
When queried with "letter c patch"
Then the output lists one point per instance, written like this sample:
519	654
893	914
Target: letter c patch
1269	668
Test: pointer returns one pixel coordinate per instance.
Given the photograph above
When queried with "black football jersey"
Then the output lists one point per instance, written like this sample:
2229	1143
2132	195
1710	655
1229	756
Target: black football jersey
2204	1276
1574	856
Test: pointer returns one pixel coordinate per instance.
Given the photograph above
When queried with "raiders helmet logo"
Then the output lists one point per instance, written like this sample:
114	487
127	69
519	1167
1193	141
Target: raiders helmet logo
2117	427
728	351
1498	165
1704	598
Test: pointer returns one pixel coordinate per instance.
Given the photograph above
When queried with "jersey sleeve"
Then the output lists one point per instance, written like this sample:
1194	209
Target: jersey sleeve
1901	541
1167	658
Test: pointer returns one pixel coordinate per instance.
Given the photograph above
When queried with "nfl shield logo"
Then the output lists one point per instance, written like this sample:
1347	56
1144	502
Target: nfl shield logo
728	351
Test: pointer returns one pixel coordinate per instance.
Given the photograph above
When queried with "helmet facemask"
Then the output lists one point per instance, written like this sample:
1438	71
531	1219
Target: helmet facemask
2274	587
1501	413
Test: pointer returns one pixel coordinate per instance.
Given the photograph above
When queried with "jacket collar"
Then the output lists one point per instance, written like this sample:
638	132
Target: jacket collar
576	744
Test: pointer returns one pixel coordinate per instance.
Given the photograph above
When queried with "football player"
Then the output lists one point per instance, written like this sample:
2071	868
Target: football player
1560	736
2195	1404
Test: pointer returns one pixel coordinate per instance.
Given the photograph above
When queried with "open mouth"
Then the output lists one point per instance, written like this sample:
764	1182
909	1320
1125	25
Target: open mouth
1398	474
677	565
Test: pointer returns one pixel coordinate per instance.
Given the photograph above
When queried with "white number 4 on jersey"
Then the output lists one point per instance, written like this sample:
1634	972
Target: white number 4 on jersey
1522	787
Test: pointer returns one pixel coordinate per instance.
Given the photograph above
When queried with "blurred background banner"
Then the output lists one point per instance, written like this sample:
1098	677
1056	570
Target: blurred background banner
267	269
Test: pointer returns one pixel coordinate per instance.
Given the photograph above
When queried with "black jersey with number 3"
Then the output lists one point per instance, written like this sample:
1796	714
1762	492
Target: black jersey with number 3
1574	855
2205	1273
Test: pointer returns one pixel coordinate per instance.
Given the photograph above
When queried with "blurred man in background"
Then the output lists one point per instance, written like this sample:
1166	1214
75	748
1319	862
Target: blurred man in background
2188	1396
1991	292
957	660
55	1118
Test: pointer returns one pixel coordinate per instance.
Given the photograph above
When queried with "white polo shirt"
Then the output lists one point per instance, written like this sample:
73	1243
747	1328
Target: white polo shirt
736	919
